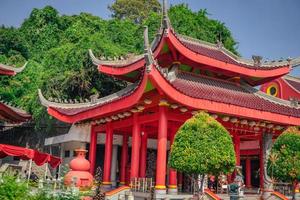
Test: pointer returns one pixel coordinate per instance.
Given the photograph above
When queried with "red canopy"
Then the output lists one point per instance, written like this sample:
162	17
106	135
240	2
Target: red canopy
26	154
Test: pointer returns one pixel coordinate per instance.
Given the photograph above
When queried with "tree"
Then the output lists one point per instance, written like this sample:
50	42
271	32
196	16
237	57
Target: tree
286	150
134	10
202	146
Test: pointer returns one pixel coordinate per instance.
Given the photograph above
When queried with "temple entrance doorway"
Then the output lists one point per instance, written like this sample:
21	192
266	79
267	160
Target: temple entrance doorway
251	163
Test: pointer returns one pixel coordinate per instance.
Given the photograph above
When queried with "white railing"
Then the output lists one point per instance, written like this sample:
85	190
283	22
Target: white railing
142	184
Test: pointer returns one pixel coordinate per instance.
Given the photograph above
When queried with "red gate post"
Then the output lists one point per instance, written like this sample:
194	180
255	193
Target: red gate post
248	172
124	158
93	147
160	187
143	157
135	147
108	155
172	187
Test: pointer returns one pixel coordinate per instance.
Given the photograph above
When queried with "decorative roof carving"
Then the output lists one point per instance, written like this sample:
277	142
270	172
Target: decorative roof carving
148	52
165	21
257	60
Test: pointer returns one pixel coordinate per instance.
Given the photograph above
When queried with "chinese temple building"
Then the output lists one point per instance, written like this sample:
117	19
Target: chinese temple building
8	113
176	77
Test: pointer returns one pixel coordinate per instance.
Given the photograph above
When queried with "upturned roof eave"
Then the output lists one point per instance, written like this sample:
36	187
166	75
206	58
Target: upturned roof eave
99	107
11	70
17	115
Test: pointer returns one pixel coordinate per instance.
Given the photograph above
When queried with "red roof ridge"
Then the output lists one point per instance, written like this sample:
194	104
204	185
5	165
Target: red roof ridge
221	48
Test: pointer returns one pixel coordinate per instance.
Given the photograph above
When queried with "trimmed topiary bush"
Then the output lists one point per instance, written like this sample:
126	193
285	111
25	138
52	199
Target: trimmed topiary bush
284	161
202	146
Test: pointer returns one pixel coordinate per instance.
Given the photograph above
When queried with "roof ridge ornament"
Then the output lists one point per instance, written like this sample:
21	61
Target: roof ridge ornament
257	60
219	44
165	20
147	50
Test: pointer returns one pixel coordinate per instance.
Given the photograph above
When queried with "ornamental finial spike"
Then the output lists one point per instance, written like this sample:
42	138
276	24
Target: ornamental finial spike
148	53
165	23
146	39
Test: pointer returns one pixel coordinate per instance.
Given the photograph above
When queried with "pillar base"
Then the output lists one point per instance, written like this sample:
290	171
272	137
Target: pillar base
106	185
122	183
172	190
266	194
160	189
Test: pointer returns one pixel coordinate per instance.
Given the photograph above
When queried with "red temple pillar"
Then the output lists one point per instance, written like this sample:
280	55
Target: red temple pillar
180	177
237	149
236	142
248	172
135	147
172	187
124	158
143	157
261	165
108	154
161	161
93	147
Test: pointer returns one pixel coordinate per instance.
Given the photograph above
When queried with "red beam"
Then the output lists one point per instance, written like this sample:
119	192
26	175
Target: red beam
250	152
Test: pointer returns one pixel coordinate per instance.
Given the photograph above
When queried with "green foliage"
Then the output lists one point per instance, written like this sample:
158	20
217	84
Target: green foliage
11	189
54	195
134	10
202	146
284	162
56	47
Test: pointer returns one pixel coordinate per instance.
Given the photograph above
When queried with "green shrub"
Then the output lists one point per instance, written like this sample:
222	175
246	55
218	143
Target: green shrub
12	188
284	162
202	146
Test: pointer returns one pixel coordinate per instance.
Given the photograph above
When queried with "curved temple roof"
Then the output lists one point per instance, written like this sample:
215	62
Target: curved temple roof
197	87
8	70
255	71
194	91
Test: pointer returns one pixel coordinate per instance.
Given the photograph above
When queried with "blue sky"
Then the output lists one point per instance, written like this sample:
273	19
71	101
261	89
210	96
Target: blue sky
270	28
